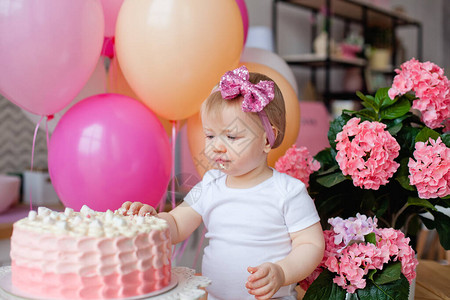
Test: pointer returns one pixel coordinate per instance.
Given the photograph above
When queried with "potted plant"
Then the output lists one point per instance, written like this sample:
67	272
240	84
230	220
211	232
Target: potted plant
362	261
389	161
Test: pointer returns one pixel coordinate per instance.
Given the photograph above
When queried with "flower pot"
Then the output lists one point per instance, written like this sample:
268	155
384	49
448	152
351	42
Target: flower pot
412	289
320	44
353	296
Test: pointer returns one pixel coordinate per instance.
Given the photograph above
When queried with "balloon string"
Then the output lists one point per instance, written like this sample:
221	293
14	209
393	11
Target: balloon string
32	157
46	129
199	248
106	82
162	202
180	251
174	140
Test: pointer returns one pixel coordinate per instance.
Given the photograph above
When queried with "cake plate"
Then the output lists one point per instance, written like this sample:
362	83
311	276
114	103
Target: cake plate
185	285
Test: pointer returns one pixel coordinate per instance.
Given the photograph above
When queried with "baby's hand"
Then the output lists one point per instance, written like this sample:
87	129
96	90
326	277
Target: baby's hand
136	208
265	281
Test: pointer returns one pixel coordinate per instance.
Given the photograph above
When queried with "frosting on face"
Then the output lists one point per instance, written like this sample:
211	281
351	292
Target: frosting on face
88	222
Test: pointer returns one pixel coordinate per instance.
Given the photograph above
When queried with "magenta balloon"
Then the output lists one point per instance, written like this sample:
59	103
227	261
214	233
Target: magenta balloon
48	50
111	11
108	149
244	15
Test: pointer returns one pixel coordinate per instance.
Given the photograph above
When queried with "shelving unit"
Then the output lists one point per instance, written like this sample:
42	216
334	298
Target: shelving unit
350	11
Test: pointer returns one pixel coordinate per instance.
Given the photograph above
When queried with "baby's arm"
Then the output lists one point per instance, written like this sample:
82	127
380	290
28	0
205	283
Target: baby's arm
182	220
307	251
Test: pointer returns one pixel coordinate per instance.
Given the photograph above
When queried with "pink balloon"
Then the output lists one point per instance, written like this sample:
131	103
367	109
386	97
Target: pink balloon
244	15
48	50
108	149
95	85
111	11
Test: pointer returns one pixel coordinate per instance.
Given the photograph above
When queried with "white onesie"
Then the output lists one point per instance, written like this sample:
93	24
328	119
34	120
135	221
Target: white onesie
247	227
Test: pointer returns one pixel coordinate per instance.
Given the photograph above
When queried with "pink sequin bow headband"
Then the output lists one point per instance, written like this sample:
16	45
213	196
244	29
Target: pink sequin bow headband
256	96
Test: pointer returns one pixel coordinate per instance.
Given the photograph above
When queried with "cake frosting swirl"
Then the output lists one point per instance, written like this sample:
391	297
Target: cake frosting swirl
89	254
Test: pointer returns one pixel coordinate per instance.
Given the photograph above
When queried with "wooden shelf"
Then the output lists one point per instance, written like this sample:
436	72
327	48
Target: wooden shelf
316	60
353	10
367	16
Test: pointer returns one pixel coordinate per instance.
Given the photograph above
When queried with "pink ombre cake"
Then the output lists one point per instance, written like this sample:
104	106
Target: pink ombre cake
89	254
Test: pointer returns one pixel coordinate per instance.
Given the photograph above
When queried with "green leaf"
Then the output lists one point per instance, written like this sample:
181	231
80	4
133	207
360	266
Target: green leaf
328	171
331	179
371	273
390	273
324	288
395	125
442	223
446	139
362	96
406	138
367	114
425	134
420	202
371	238
395	290
382	98
368	102
395	128
325	158
429	224
396	110
410	97
402	175
336	127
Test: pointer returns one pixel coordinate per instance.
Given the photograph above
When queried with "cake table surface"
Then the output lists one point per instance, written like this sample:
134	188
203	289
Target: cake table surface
188	287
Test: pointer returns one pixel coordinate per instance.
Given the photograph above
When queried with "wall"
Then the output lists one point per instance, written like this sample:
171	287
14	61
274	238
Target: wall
446	34
16	139
16	131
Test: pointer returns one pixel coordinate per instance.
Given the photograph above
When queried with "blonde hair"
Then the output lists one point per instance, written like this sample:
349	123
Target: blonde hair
275	110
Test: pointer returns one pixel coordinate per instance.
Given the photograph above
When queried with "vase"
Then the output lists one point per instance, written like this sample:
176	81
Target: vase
349	296
412	289
320	44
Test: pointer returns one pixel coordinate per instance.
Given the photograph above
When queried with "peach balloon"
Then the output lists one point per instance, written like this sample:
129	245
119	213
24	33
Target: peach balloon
292	109
119	85
196	142
173	52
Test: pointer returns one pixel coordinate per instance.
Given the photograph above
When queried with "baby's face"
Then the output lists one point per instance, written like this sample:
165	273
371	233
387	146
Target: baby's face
234	141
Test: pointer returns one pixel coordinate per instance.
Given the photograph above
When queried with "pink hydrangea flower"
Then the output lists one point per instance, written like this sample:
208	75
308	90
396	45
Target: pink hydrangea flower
431	87
366	152
298	163
395	246
429	172
354	263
